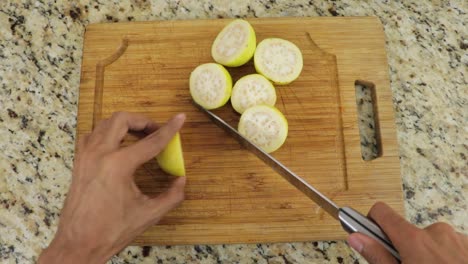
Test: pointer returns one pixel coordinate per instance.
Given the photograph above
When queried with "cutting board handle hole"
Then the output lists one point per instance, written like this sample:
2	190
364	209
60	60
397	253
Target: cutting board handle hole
368	122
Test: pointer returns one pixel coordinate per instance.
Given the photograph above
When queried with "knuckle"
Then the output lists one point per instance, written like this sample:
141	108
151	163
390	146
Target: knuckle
101	123
117	116
178	196
96	143
441	228
91	152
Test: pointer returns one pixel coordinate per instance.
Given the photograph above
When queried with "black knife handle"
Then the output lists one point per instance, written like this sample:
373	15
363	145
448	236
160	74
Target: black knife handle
353	221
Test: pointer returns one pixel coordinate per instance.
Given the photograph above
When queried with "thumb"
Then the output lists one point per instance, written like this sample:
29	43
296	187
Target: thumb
166	201
370	249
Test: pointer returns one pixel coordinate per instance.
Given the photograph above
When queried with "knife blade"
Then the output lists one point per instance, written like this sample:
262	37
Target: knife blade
350	219
316	196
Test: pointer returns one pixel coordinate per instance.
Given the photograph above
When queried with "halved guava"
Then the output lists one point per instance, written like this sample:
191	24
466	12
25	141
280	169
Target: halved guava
171	159
265	126
278	60
210	85
251	90
235	44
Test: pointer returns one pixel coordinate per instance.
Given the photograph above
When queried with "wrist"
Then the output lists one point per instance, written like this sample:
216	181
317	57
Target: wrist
60	251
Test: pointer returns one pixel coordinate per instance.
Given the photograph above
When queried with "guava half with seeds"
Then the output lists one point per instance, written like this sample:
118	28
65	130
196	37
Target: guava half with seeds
252	90
265	126
278	60
171	159
210	85
235	44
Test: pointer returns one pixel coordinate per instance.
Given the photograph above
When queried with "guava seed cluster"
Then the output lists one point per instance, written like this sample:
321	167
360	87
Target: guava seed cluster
252	90
210	85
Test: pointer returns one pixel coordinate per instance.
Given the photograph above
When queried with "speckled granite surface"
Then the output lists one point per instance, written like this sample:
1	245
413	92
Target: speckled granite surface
40	57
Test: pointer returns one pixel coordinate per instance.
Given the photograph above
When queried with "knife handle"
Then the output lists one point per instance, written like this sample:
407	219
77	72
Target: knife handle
353	221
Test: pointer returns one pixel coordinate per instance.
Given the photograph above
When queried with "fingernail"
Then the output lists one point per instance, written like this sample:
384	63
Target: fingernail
180	116
356	243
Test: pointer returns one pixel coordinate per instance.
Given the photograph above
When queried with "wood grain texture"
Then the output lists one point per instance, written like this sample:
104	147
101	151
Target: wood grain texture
231	196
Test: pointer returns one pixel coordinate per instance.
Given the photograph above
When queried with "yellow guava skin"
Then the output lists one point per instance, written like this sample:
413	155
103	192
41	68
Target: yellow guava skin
171	159
244	54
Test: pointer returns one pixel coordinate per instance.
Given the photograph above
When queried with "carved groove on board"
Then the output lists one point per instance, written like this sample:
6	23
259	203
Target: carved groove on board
339	120
100	67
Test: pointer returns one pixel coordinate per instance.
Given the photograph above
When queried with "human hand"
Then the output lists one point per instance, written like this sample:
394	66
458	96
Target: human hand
437	243
105	210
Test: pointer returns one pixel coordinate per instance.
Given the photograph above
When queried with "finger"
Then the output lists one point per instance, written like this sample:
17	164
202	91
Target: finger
148	147
394	225
168	200
122	122
370	249
98	133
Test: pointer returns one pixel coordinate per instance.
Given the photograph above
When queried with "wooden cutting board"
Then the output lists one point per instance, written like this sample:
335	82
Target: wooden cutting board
231	196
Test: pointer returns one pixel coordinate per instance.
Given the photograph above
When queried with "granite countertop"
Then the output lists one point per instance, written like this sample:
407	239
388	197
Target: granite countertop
40	57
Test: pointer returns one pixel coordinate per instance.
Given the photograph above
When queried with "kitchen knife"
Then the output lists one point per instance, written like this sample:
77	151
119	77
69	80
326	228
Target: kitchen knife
351	220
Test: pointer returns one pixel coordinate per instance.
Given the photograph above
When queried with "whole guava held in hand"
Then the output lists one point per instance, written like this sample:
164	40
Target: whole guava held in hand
235	44
252	90
278	60
265	126
210	85
171	159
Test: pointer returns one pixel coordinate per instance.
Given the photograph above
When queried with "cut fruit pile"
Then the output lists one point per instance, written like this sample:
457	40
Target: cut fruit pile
253	96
